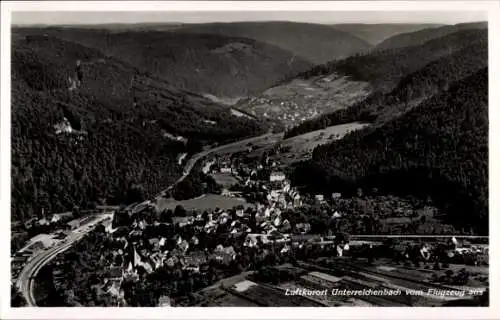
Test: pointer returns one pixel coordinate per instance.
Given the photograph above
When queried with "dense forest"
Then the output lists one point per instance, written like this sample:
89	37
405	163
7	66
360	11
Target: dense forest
434	77
385	68
441	146
203	63
317	43
421	36
376	33
108	146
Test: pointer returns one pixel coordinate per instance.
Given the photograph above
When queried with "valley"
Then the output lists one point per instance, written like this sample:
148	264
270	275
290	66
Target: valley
233	163
302	100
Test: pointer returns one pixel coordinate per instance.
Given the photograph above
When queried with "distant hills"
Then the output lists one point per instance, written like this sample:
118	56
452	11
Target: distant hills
316	43
421	36
423	94
431	79
222	66
359	87
385	68
376	33
71	148
441	146
428	116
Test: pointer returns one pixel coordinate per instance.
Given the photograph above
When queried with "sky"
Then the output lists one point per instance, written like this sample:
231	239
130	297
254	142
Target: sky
323	17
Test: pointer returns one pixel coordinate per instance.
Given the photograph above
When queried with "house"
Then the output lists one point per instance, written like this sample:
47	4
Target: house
183	221
253	239
194	240
55	218
29	223
277	176
285	249
277	221
70	294
303	227
155	243
224	255
225	170
336	195
240	212
183	246
425	252
287	187
113	288
285	226
170	262
281	199
43	222
194	261
162	242
114	274
319	198
157	260
275	194
134	235
164	301
302	238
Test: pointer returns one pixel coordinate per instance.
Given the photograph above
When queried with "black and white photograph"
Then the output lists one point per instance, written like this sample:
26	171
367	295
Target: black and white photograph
246	157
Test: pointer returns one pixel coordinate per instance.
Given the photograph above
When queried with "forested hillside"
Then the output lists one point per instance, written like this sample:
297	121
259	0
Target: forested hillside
384	69
314	42
376	33
203	63
106	149
431	79
441	146
419	37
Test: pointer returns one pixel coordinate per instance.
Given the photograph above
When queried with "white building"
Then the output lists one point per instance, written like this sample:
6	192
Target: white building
277	176
225	170
55	218
336	195
319	198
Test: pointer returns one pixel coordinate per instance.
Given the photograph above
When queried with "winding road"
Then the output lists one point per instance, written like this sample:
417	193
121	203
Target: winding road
26	280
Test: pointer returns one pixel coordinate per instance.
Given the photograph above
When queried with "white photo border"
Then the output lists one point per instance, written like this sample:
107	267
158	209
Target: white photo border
492	312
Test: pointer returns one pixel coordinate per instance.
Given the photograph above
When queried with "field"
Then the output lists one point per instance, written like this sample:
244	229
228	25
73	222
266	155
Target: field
416	278
301	147
221	298
266	296
224	179
205	202
301	99
262	142
329	299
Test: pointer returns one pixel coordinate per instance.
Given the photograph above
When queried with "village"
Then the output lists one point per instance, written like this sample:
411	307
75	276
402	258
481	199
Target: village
274	229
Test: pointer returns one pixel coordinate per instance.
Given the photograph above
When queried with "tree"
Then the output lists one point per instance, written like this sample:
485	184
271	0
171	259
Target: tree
484	299
449	273
135	193
76	212
341	237
179	211
16	298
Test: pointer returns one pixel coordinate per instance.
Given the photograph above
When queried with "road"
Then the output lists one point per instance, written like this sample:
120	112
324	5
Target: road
191	162
26	279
